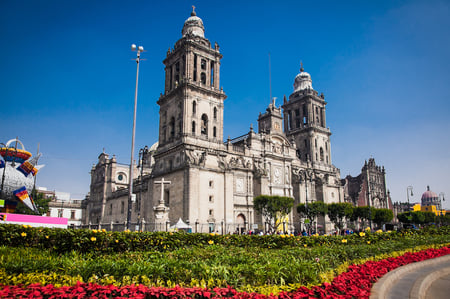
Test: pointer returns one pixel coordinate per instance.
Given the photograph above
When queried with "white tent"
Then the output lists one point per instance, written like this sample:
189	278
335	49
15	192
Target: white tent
181	225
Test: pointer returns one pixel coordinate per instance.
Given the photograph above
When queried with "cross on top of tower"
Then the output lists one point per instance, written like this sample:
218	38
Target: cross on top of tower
301	67
193	11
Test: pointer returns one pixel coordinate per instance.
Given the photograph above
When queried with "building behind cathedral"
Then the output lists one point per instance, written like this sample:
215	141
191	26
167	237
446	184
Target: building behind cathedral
212	182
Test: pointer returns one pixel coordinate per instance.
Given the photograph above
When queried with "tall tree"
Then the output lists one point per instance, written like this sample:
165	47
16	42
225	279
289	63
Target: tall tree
312	210
273	208
338	212
383	216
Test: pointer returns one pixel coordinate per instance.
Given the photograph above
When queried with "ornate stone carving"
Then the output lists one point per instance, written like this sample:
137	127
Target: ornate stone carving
193	158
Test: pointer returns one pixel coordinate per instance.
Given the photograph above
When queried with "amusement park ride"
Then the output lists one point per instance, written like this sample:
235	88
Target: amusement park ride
17	176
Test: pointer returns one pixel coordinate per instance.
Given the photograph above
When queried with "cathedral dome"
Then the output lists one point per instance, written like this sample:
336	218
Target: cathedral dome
302	80
193	25
429	197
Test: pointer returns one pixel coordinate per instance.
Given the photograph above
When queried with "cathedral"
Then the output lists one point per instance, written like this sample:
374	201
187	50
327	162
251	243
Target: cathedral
192	173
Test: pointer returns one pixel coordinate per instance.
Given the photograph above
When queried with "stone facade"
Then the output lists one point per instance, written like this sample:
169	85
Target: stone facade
368	188
213	183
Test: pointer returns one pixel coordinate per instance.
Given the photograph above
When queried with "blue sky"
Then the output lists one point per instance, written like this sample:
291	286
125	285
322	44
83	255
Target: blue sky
68	78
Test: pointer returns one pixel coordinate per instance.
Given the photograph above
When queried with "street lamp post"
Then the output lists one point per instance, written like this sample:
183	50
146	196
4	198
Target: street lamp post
409	192
307	174
441	199
130	193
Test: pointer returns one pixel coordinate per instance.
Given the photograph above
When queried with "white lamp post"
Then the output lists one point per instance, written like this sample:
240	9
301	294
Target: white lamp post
130	193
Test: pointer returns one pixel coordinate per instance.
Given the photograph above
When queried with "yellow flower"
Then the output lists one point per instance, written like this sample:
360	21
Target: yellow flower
368	242
362	234
379	231
23	234
94	231
117	241
344	240
305	245
46	237
283	236
93	239
210	242
104	230
367	229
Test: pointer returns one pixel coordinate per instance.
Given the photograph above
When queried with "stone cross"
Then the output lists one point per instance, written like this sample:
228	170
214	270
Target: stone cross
162	182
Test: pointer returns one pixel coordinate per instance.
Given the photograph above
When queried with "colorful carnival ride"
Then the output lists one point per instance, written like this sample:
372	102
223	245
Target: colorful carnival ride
17	175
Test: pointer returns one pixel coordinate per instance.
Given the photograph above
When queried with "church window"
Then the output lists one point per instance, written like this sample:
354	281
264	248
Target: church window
177	80
321	154
212	73
297	122
211	212
305	120
194	107
315	142
306	143
122	207
60	213
172	127
214	132
327	159
326	146
193	127
297	112
166	197
203	64
317	159
215	113
204	125
195	67
170	76
211	184
203	78
211	198
177	66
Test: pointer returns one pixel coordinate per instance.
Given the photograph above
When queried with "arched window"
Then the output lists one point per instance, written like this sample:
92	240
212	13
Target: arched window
194	107
204	125
193	127
321	154
214	132
215	113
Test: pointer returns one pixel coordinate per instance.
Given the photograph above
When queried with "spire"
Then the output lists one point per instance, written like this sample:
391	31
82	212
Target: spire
193	11
301	67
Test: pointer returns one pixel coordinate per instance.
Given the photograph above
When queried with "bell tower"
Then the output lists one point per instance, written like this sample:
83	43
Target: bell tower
191	108
305	120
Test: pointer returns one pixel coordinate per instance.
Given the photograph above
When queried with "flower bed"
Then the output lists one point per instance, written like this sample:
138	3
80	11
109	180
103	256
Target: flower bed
355	282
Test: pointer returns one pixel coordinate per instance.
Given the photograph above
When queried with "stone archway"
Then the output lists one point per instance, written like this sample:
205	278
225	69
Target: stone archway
240	223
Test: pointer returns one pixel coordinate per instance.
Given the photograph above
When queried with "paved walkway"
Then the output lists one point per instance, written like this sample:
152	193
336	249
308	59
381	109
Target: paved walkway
429	279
